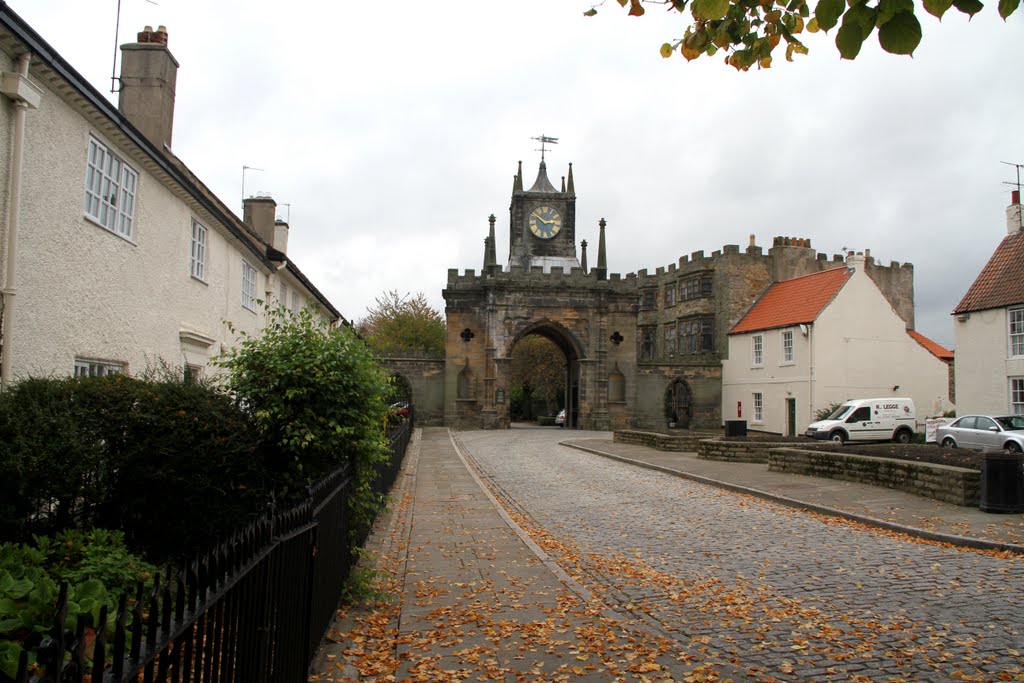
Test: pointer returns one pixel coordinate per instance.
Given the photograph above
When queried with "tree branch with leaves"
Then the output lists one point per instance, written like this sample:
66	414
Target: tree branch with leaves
749	31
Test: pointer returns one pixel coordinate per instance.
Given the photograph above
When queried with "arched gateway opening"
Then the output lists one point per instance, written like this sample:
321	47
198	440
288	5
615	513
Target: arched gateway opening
543	373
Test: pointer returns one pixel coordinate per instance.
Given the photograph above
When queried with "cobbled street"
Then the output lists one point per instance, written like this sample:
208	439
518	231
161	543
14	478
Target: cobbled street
738	581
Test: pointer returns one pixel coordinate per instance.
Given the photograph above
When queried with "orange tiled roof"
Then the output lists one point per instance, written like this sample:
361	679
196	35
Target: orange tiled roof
1000	282
795	301
936	349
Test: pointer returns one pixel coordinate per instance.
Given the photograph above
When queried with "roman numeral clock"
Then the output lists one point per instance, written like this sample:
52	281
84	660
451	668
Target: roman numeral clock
545	222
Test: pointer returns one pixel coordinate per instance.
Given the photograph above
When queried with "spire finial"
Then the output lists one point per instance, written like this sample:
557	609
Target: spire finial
571	188
602	258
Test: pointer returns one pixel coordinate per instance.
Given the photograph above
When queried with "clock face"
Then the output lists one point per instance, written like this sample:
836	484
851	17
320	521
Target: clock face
545	222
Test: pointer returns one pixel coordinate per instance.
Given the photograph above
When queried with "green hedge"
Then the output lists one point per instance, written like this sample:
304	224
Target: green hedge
173	464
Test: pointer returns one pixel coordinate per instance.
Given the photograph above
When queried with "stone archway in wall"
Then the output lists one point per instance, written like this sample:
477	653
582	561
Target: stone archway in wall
679	404
402	388
572	350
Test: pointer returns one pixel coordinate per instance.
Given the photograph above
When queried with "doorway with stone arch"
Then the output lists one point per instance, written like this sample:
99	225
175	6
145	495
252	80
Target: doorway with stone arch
678	404
559	341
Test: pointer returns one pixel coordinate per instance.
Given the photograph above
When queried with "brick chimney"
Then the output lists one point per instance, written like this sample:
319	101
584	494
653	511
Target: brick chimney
148	75
1014	220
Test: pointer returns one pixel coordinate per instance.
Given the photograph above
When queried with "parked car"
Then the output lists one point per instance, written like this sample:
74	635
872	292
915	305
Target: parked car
560	418
867	419
984	432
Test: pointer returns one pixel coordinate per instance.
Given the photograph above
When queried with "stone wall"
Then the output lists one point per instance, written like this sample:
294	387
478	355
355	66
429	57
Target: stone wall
680	443
736	451
949	484
425	376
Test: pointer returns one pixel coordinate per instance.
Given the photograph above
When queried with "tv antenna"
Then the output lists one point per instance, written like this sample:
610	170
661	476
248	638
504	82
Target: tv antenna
1017	184
244	169
544	140
114	80
1010	182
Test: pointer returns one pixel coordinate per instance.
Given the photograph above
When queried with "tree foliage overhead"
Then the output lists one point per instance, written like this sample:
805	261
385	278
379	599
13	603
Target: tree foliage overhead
748	31
403	323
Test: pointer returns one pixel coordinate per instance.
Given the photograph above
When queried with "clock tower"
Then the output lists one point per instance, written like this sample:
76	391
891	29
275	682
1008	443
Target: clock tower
542	222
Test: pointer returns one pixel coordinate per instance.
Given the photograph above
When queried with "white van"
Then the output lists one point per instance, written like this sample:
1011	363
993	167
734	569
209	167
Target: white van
868	419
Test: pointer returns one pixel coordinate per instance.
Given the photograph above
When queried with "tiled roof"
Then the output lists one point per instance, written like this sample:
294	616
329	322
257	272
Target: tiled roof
936	349
795	301
1001	281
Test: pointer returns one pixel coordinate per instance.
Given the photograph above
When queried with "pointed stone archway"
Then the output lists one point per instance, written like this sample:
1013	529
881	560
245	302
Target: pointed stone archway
570	347
679	404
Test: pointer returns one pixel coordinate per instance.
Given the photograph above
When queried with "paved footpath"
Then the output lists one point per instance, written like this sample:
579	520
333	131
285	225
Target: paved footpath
593	569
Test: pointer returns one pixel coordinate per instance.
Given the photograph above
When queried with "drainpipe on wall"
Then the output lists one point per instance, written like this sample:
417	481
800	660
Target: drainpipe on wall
810	374
24	94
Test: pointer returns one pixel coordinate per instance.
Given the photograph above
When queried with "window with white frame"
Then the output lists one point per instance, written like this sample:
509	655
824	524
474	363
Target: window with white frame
282	295
1017	395
296	303
787	346
1016	317
758	407
110	187
85	367
248	286
198	258
757	344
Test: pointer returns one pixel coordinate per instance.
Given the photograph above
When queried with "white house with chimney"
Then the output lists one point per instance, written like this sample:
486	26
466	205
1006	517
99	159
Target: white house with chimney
989	327
824	338
113	255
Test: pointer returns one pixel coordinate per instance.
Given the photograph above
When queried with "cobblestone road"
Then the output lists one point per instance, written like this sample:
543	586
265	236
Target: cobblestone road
739	581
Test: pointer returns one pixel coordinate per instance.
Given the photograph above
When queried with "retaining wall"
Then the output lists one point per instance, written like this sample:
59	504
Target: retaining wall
681	442
955	485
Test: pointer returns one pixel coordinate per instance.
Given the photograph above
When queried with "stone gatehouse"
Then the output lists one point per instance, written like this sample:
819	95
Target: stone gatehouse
642	349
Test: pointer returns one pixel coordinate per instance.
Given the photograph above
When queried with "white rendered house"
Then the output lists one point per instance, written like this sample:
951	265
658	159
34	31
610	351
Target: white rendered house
113	255
824	338
990	329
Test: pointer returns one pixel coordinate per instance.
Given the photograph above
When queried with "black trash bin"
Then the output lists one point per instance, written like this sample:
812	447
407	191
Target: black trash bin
1002	482
735	427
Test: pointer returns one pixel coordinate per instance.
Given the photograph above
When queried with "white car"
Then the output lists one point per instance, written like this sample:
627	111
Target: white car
984	432
560	418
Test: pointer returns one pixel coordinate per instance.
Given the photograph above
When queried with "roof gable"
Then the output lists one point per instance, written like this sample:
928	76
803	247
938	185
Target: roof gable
936	349
999	283
795	301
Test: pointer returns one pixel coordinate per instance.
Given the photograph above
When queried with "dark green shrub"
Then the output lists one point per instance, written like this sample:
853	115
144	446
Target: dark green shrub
175	465
97	567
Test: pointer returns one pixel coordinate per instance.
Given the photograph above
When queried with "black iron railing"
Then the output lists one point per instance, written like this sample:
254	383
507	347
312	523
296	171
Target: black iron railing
253	609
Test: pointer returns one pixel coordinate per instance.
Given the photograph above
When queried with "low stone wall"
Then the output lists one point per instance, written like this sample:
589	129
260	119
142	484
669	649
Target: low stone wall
683	442
736	451
949	484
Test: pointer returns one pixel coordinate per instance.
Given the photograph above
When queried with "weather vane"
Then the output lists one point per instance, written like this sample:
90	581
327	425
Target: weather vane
544	140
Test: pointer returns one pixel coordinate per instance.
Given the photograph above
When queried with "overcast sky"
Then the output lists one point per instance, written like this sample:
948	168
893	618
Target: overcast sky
393	130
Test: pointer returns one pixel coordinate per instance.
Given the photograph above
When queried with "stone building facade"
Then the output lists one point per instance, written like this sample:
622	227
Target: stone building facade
643	349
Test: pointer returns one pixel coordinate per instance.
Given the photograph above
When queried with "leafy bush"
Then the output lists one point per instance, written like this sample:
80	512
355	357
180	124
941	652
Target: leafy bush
173	464
318	396
823	413
97	567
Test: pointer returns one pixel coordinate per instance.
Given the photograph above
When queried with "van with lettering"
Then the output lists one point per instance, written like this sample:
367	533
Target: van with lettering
868	419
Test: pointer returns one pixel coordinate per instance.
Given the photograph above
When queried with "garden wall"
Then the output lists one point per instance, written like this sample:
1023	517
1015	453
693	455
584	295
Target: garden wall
685	442
955	485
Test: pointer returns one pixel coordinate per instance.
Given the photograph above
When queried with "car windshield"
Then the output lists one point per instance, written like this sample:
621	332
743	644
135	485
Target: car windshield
1011	422
840	412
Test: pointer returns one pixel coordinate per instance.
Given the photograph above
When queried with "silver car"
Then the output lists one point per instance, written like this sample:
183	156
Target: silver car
984	432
